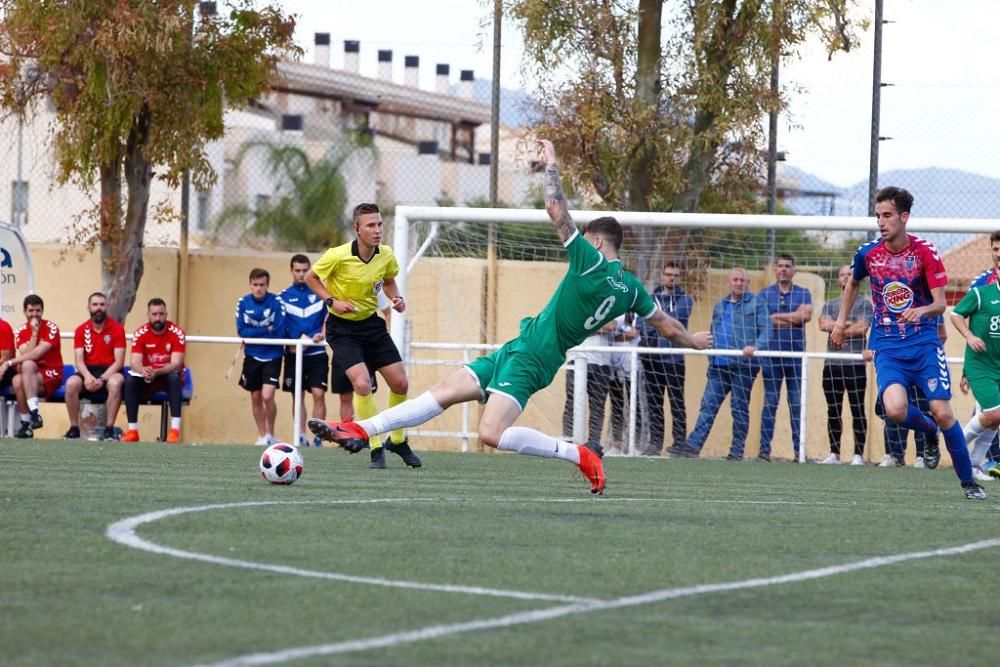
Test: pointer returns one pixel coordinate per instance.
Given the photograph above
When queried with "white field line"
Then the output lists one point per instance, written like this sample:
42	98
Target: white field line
540	615
123	532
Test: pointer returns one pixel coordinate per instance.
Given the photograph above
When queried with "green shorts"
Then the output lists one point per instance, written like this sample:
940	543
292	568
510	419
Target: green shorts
986	389
515	372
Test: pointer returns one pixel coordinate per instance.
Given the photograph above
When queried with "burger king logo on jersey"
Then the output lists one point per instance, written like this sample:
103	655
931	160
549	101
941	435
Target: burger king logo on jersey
897	296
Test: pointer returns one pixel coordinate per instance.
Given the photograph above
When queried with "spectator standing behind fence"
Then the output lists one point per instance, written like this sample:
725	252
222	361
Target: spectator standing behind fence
740	321
598	379
261	314
790	307
156	364
348	278
842	376
99	357
619	389
305	315
664	373
38	364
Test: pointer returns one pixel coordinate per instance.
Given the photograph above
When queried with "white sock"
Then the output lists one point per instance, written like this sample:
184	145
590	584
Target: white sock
413	412
534	443
972	429
32	403
26	419
133	426
981	446
175	422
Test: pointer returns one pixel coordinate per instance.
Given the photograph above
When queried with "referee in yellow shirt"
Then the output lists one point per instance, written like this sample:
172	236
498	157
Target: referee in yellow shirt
348	278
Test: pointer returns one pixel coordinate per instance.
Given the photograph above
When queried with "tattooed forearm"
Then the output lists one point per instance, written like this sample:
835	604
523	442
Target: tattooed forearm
555	204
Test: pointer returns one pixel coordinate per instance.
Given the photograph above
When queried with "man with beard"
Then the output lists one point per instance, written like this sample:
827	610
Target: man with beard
157	364
99	357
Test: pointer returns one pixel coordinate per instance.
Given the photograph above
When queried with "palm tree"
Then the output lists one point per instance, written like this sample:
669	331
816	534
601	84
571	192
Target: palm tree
306	211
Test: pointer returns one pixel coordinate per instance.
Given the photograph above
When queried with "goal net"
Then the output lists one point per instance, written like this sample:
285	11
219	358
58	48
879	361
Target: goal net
472	274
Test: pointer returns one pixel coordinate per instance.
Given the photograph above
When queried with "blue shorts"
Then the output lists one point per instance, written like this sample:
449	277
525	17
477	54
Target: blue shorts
922	365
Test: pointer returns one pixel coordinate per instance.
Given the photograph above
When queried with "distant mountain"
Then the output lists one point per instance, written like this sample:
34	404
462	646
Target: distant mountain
516	106
938	193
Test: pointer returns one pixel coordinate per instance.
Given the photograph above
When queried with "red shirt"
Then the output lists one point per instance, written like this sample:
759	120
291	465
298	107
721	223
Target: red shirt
7	338
99	347
156	348
48	332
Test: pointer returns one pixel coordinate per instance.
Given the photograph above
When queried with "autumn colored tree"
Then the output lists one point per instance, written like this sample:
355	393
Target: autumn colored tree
136	86
666	120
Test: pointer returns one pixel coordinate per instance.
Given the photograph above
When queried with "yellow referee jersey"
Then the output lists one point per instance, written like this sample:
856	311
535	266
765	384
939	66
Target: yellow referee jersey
349	278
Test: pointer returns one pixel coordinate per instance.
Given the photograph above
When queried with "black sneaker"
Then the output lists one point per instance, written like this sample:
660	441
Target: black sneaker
36	420
378	459
25	431
973	491
403	451
72	434
733	457
109	433
932	454
681	452
765	457
595	447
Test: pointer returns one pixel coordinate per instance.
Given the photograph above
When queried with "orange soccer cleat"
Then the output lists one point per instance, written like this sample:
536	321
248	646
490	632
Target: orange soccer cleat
130	435
592	469
174	435
347	433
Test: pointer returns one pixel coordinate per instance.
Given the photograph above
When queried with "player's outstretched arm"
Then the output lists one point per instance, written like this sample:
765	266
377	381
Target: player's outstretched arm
555	200
674	331
838	334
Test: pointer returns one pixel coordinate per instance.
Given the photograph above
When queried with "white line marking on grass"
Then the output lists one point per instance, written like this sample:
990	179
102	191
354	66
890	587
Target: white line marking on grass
538	615
123	532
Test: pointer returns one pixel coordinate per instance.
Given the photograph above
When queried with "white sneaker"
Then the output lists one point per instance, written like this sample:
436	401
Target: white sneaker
262	441
888	462
858	460
302	441
919	462
979	475
832	459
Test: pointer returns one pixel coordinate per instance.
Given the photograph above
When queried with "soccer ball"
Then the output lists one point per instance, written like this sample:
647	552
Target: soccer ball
281	464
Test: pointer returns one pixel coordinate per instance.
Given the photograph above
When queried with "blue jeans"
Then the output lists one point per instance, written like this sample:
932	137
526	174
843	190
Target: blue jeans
773	371
735	378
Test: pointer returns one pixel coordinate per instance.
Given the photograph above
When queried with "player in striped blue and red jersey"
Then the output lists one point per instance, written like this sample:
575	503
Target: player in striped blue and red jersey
907	279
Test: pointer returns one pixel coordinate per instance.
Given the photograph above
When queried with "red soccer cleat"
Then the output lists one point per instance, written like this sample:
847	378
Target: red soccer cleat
347	433
174	436
592	469
131	435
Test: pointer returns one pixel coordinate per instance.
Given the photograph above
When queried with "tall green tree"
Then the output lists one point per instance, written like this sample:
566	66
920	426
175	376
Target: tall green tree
136	86
307	210
658	104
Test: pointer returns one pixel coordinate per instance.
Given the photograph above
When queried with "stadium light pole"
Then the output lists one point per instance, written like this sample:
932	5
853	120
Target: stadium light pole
772	126
491	249
876	111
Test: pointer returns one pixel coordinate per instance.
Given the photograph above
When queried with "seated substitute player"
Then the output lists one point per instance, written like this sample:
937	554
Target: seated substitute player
348	278
157	363
907	279
975	317
99	356
7	351
305	315
595	291
38	364
261	314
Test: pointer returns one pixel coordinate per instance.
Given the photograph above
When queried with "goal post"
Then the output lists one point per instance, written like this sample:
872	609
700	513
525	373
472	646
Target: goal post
442	254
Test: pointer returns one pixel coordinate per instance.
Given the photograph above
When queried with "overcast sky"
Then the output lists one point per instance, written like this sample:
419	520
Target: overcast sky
941	55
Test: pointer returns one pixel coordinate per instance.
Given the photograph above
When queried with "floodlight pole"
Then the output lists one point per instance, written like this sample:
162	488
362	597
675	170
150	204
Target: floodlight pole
876	111
491	248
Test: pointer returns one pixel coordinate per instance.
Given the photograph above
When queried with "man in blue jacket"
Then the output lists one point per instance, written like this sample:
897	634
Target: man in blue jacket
305	315
664	373
740	321
261	314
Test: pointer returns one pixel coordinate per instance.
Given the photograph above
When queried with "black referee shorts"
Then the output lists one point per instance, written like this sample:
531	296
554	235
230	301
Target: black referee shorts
366	341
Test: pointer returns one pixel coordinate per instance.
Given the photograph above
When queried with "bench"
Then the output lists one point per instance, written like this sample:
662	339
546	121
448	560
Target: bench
159	397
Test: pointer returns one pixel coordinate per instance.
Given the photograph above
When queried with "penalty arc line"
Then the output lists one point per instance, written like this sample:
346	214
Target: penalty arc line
123	532
539	615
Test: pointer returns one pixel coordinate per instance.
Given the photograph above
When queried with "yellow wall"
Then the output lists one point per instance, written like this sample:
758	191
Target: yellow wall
446	303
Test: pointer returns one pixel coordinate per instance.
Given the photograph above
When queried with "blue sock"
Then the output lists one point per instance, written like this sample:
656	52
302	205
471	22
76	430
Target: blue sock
918	421
955	441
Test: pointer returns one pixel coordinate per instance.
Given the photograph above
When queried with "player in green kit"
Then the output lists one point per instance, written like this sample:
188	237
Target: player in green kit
595	291
977	318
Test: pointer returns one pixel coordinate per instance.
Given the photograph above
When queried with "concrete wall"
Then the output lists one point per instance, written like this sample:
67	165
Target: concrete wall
446	303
